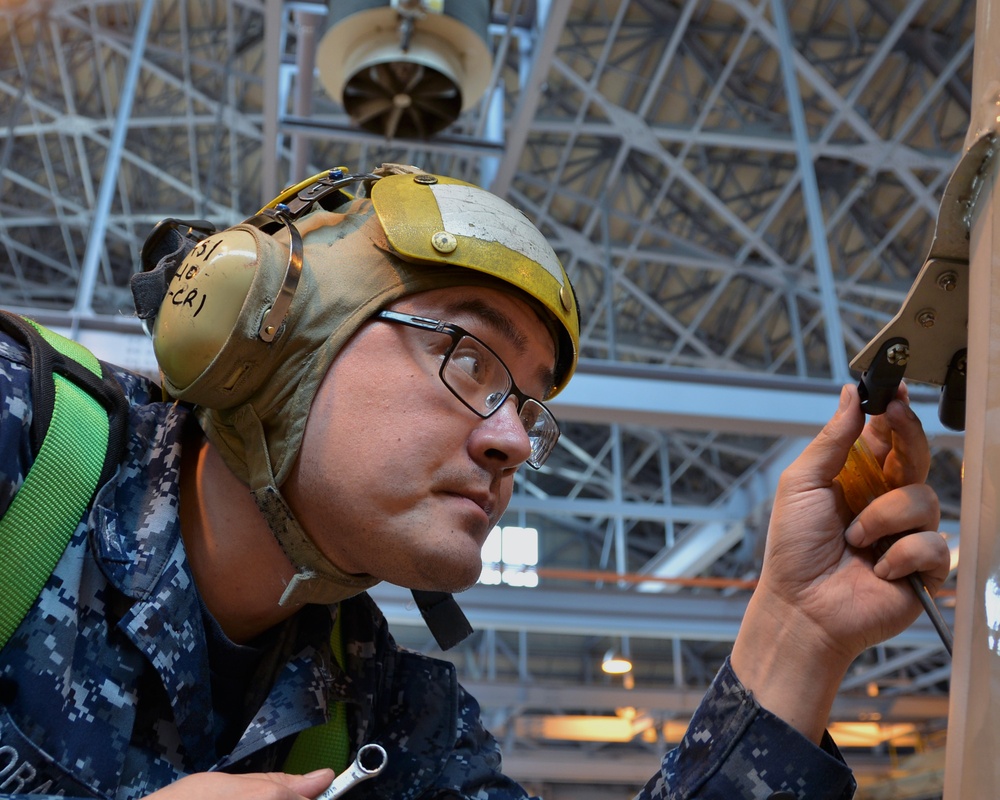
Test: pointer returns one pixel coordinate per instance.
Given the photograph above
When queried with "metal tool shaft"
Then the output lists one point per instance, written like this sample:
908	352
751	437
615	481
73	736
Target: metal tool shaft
916	581
933	612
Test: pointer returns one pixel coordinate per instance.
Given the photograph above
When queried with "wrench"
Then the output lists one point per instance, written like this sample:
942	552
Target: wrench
369	762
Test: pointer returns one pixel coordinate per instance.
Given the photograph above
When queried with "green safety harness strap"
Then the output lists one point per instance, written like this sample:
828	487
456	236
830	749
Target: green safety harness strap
77	432
78	435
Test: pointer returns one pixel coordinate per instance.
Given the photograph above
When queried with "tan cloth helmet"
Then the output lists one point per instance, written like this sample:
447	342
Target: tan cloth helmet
247	323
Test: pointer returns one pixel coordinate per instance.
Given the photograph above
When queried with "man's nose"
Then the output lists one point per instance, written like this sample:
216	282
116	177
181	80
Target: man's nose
503	433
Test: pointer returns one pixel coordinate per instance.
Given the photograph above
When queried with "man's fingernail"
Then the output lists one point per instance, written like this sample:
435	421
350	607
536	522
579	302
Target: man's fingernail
845	398
315	773
853	535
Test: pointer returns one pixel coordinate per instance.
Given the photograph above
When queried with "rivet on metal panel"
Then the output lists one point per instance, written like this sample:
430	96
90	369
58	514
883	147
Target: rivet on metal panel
948	280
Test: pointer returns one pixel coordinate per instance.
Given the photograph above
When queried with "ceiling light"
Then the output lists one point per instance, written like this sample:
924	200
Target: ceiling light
616	663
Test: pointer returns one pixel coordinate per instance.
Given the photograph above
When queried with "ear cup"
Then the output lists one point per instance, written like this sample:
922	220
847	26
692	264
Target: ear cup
202	305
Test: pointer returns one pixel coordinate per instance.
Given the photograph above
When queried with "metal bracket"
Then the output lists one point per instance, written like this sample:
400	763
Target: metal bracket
933	321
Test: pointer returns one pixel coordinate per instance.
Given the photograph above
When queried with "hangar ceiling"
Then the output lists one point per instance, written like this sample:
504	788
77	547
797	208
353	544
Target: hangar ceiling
742	193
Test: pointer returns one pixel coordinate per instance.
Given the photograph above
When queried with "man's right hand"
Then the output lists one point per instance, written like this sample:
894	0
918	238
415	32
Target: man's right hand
253	786
822	599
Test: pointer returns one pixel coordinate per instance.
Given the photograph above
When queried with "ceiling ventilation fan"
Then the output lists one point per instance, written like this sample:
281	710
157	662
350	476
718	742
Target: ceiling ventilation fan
405	69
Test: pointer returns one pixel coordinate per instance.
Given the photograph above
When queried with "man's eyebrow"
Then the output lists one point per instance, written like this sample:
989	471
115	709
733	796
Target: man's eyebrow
501	324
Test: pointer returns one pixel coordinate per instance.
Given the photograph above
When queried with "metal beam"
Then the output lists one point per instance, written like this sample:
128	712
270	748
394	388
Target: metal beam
606	612
95	242
562	698
681	403
810	193
829	94
270	180
527	104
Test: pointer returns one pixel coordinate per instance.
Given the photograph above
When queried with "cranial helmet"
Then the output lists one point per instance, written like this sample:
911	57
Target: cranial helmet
246	321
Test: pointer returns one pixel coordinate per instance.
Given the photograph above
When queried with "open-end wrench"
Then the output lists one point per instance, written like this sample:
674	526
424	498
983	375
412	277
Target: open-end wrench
369	762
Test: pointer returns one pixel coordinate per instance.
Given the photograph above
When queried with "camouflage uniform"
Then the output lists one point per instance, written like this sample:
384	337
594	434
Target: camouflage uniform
106	688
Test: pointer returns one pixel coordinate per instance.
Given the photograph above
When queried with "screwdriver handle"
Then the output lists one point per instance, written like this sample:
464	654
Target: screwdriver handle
861	480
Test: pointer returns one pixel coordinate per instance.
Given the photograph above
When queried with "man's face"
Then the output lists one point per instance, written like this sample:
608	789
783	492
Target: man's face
396	477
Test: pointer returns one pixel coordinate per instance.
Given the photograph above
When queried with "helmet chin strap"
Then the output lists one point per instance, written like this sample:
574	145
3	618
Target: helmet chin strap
316	579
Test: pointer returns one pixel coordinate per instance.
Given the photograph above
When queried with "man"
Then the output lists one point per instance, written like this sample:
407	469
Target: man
360	380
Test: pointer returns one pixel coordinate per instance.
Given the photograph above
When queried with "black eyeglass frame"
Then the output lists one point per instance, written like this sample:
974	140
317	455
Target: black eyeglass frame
457	333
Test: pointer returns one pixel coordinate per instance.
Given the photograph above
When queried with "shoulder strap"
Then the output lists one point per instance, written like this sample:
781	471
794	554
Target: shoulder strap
78	433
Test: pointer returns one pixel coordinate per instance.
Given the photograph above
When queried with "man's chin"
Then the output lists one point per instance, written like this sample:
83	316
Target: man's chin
450	580
454	586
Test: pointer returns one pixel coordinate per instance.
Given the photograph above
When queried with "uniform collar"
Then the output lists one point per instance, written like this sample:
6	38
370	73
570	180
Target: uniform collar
134	523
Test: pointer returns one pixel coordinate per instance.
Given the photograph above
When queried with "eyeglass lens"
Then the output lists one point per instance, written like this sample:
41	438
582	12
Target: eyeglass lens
482	381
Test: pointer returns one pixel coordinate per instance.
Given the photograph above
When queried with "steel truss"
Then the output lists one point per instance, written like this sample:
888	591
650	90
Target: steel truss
741	191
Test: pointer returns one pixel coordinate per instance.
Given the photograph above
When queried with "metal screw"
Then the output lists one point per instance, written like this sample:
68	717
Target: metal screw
948	281
962	365
926	318
444	242
425	179
898	354
566	297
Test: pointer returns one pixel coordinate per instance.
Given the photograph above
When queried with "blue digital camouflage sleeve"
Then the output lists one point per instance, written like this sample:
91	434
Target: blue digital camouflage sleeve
733	748
15	420
475	762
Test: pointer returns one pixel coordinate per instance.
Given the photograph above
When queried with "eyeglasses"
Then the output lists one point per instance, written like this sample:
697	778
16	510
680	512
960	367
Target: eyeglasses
478	377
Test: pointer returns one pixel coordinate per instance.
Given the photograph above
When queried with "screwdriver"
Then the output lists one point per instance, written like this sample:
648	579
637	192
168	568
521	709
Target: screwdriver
862	481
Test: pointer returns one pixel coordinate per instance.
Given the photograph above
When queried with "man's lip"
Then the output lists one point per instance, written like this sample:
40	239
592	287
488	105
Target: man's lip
484	501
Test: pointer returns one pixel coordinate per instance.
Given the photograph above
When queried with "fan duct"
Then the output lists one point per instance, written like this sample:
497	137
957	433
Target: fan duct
405	68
